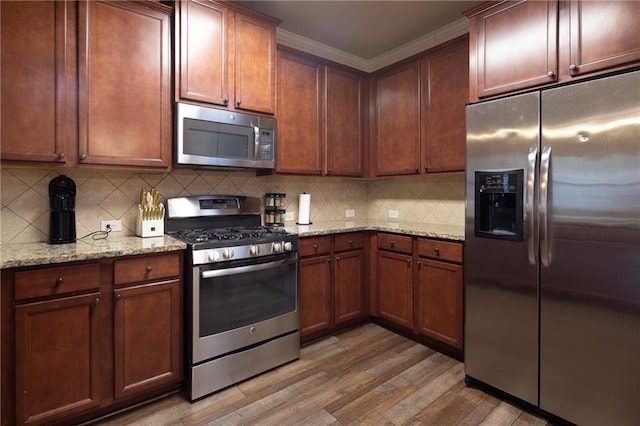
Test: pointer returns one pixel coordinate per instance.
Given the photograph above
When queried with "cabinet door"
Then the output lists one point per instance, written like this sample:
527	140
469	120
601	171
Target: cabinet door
398	121
255	57
445	90
603	34
440	301
148	336
124	85
203	52
395	288
300	145
315	295
37	53
348	282
344	122
514	46
57	358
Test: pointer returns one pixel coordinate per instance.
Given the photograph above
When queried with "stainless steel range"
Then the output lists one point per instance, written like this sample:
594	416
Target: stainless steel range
240	290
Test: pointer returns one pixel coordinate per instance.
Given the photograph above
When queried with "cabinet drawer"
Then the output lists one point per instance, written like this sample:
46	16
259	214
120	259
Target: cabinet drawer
441	250
56	281
313	246
146	268
398	243
349	241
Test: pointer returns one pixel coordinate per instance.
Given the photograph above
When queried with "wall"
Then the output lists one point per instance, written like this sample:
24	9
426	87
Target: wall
105	195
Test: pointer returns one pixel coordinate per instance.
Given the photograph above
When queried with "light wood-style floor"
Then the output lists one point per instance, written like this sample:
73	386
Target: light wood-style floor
364	376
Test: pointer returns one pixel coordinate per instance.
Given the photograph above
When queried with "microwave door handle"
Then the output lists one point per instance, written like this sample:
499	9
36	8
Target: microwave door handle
256	142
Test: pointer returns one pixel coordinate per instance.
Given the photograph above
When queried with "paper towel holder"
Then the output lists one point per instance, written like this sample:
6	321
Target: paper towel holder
300	208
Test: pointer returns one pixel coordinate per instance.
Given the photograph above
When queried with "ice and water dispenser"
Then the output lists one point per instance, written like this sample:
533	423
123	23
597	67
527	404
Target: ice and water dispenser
498	204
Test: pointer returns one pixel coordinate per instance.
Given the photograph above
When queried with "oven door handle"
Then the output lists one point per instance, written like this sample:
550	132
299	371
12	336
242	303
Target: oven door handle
249	268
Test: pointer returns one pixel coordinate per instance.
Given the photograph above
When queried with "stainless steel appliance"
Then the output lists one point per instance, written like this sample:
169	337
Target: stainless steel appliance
219	138
240	290
552	249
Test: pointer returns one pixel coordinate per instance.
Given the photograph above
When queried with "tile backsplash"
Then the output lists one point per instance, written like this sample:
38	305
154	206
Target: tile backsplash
113	195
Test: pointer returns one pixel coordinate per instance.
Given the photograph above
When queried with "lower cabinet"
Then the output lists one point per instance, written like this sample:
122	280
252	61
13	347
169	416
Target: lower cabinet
80	340
331	284
395	279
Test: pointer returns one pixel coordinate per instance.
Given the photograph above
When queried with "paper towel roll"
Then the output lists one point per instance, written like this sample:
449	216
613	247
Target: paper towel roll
304	209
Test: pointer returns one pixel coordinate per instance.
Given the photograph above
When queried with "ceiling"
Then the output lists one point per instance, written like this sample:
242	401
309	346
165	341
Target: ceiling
364	29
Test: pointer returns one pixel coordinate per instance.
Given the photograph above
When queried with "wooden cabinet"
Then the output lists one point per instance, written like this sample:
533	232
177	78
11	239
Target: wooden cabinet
397	120
420	112
395	279
86	83
439	291
147	323
80	340
516	45
320	117
37	52
225	56
331	283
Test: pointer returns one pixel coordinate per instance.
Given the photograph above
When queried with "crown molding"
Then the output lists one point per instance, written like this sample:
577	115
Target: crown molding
441	35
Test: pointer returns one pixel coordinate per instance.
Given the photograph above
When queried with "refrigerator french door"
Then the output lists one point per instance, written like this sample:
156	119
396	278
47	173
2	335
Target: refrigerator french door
552	249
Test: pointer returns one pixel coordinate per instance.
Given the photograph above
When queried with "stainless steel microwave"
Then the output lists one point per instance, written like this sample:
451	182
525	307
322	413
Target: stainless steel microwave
219	138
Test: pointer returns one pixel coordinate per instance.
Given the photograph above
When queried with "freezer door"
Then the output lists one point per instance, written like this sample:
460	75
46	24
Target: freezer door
590	279
501	299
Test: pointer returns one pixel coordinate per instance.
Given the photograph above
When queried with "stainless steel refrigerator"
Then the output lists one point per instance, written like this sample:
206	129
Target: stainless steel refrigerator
552	249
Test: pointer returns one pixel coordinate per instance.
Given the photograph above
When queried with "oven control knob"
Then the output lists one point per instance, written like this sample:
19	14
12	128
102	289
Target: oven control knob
214	256
277	247
288	246
254	250
227	254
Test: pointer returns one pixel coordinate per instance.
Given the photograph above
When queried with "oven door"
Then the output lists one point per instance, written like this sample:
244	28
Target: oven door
242	305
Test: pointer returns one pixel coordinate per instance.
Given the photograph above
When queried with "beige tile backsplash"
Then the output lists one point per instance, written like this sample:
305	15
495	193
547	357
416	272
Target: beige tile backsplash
109	195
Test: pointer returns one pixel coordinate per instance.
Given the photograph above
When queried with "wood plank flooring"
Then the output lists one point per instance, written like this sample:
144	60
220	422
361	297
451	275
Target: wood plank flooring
365	376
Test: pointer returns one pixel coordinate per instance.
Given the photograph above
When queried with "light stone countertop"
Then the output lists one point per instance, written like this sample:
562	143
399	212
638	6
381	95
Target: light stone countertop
30	254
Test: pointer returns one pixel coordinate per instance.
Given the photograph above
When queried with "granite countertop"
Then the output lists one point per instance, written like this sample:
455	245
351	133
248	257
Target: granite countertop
30	254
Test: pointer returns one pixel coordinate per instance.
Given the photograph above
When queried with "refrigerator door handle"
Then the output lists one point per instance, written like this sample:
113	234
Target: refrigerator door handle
532	159
545	162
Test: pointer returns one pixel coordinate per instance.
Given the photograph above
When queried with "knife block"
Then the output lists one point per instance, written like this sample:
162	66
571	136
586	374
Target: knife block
149	228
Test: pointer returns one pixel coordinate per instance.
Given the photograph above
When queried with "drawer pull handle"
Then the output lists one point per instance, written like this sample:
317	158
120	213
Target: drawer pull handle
350	242
315	247
59	281
149	268
437	250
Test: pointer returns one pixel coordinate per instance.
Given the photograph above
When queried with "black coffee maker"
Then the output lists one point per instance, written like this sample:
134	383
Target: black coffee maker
62	222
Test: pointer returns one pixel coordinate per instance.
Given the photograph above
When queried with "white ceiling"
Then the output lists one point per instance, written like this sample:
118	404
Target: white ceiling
363	32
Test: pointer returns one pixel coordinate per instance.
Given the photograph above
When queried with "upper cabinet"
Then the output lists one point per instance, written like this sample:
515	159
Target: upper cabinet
225	56
320	117
419	124
516	45
37	52
86	83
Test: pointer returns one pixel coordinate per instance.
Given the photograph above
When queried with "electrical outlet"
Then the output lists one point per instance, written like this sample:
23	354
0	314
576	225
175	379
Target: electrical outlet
288	216
350	213
394	214
114	225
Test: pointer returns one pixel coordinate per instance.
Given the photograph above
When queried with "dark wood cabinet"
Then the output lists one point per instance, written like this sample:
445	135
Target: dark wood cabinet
395	279
320	116
439	291
445	88
517	45
37	52
331	284
86	338
397	120
225	56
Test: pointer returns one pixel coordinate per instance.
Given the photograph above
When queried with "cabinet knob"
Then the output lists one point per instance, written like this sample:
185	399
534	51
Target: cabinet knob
417	169
573	67
408	261
437	250
392	243
419	264
60	155
350	242
315	246
226	101
149	268
83	156
118	297
59	281
328	171
238	103
426	169
338	258
551	74
328	259
96	301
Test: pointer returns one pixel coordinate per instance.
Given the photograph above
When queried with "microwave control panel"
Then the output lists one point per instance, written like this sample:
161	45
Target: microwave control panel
265	149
